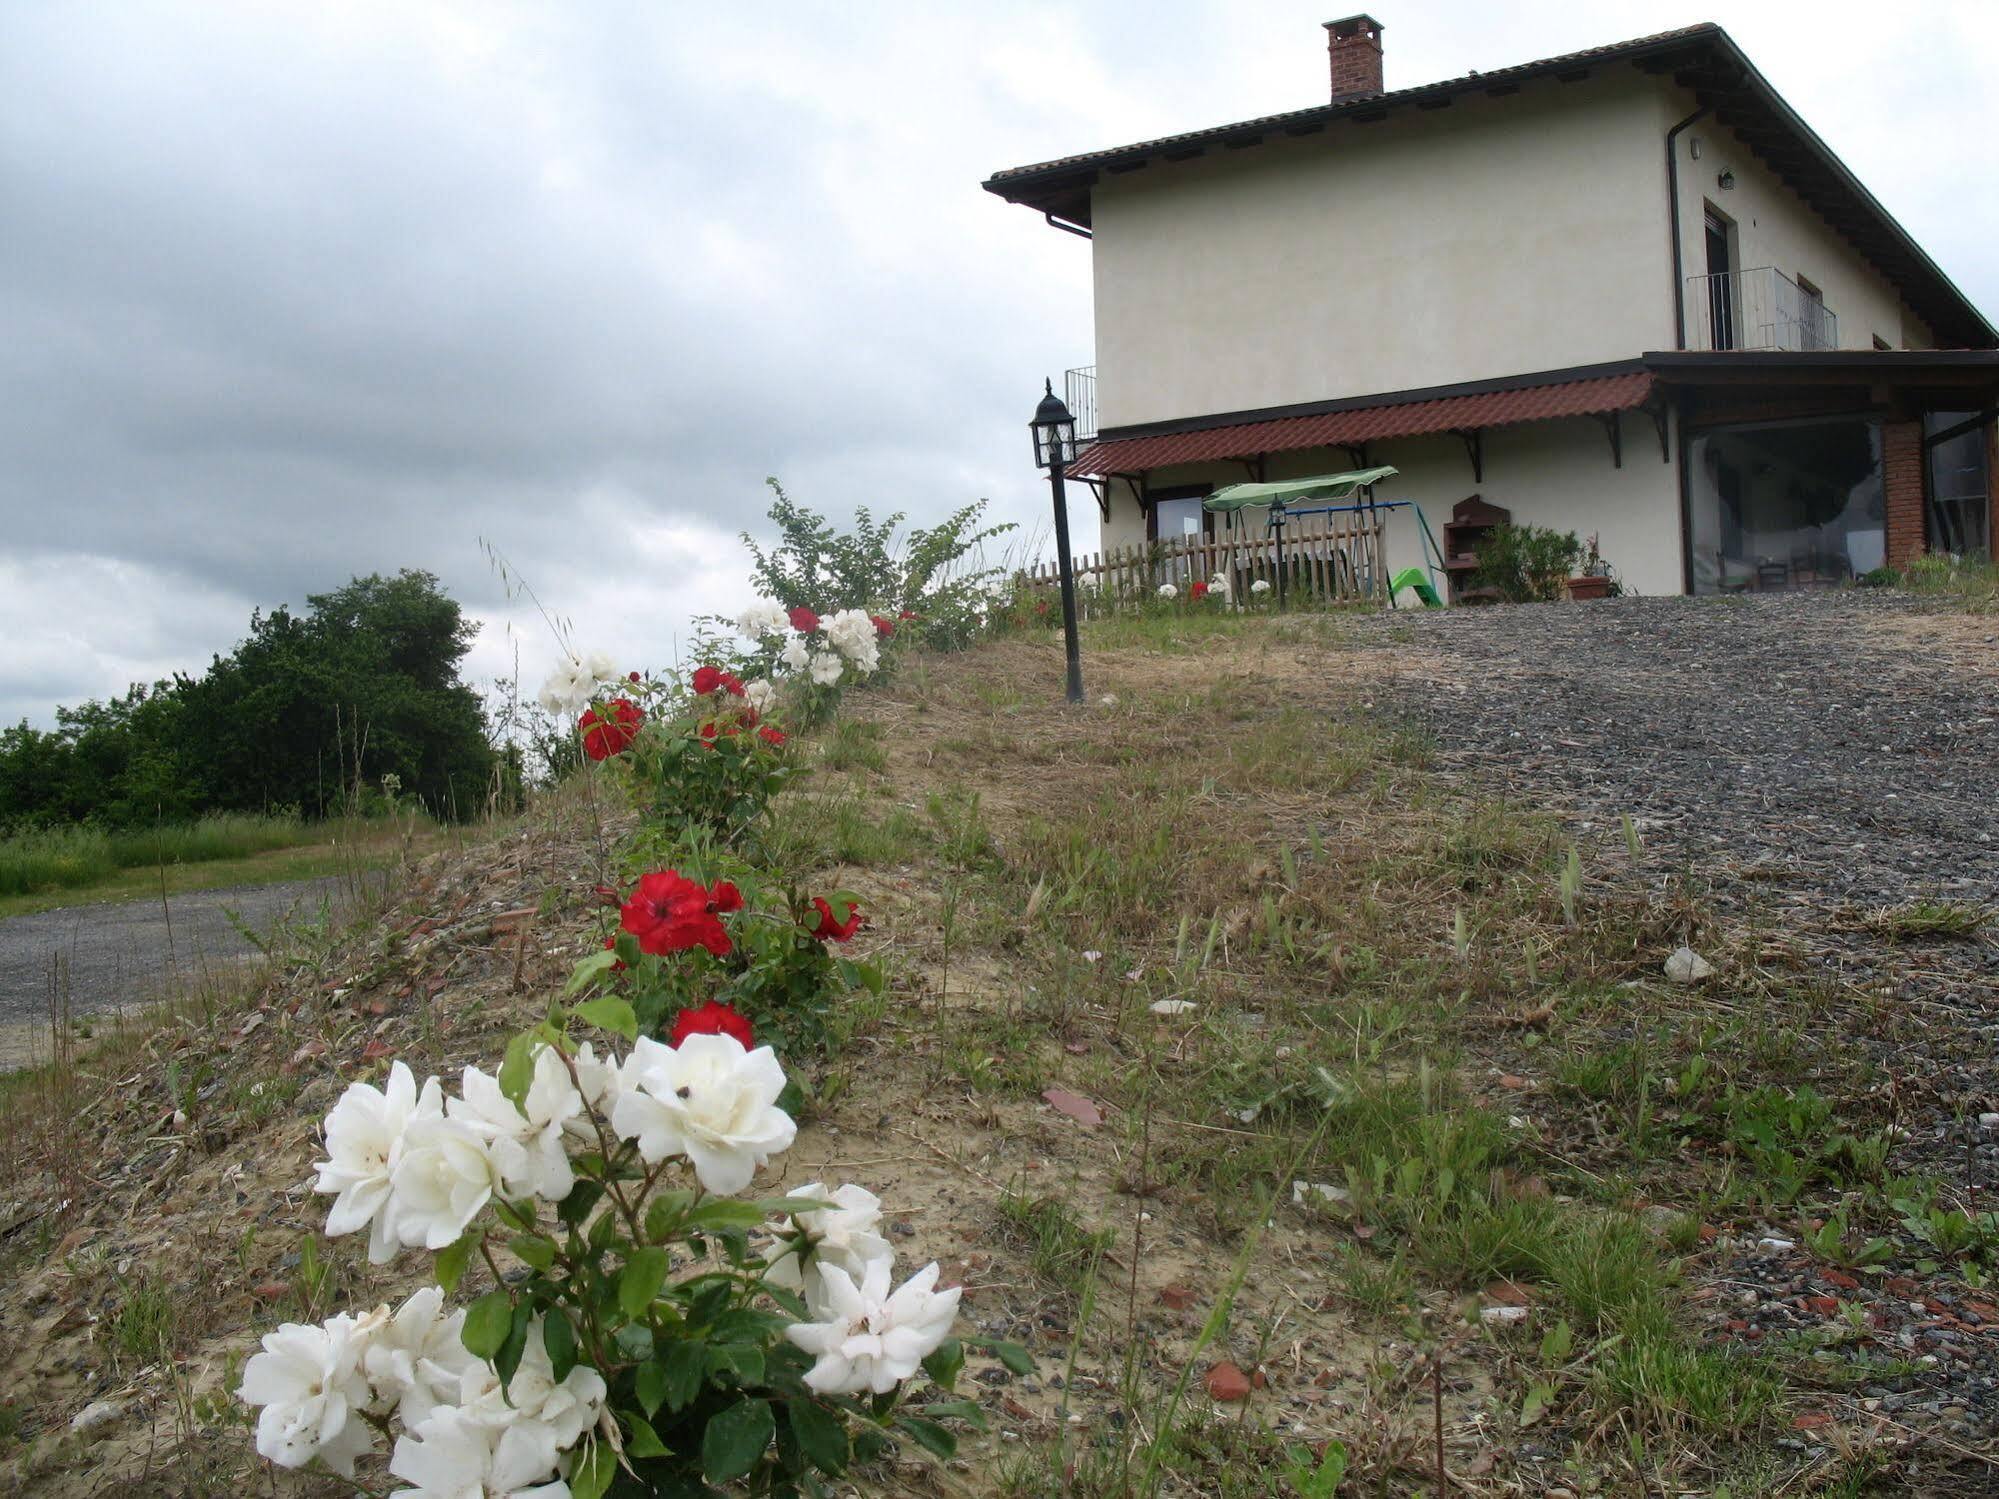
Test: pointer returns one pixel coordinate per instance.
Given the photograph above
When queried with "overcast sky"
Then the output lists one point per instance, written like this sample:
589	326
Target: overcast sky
294	292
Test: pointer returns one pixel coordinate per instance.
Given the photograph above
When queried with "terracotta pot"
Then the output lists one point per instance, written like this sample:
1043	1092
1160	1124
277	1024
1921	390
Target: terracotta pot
1589	588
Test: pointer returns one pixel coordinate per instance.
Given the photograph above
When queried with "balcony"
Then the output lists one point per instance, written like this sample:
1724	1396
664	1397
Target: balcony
1079	394
1758	309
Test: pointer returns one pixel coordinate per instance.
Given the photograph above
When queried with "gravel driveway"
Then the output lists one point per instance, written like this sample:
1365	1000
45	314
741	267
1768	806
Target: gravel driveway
1825	754
114	955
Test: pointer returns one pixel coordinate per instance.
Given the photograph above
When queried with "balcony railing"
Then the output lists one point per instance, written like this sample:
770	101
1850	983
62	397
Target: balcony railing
1758	309
1079	393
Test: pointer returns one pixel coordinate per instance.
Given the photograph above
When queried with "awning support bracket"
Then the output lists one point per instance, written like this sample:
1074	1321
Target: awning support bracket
1474	440
1658	415
1613	428
1357	454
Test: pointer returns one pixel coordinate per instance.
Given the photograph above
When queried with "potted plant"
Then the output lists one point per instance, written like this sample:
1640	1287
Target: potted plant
1596	579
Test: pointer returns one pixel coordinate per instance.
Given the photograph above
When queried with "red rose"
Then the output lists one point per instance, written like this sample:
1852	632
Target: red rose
712	731
732	684
907	614
727	897
803	620
883	627
712	1019
611	945
706	680
772	737
671	913
1198	592
613	732
633	677
830	930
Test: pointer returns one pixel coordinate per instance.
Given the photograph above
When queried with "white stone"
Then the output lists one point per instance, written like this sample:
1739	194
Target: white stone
1500	1316
97	1413
1303	1191
1686	966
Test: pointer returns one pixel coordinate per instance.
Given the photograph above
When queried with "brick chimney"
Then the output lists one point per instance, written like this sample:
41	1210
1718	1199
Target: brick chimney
1355	44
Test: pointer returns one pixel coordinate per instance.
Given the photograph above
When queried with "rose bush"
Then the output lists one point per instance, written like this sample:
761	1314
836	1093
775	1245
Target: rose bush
654	1332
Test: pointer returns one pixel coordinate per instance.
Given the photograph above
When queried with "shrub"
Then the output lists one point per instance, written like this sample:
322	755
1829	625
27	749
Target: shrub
1527	564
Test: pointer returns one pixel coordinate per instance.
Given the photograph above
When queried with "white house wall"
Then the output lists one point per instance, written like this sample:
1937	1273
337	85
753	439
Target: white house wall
1774	227
1491	238
1554	474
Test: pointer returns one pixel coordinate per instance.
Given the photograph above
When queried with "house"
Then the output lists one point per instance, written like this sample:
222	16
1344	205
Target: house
1626	291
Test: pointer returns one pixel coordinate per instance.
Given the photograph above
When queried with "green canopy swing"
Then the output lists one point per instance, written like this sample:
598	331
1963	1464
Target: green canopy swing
1343	493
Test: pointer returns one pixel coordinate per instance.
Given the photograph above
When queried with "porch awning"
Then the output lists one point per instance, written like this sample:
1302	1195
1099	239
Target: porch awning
1374	422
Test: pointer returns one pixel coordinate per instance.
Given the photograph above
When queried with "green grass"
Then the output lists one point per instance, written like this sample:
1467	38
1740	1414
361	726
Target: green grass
205	859
1973	582
1928	918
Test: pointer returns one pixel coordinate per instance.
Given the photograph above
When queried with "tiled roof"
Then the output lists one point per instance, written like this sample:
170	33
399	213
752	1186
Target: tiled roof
1596	396
1499	77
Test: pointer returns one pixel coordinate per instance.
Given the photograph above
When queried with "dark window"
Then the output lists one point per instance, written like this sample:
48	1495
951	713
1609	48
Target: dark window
1960	511
1720	283
1786	505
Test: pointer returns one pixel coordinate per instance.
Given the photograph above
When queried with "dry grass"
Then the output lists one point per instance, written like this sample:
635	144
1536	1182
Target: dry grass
1222	901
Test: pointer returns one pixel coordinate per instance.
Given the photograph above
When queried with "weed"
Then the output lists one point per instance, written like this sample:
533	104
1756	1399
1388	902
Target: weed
1059	1248
1923	919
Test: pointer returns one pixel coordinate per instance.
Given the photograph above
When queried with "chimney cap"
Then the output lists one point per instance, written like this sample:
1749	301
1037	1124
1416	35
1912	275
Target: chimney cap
1360	25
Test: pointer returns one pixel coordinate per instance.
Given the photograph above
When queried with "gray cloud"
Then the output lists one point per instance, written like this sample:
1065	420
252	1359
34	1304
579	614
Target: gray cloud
290	293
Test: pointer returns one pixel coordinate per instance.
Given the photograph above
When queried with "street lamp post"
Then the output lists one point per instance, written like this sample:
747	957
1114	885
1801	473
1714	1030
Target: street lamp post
1054	432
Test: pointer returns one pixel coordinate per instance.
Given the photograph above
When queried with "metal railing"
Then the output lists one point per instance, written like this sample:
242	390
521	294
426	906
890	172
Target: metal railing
1760	308
1079	393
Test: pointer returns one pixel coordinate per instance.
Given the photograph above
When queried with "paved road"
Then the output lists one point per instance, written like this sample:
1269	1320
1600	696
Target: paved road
111	956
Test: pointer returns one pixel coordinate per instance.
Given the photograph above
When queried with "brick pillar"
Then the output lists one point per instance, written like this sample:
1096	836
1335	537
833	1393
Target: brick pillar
1902	476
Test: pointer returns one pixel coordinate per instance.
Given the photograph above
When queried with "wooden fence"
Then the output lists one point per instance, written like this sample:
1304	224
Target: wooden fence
1334	558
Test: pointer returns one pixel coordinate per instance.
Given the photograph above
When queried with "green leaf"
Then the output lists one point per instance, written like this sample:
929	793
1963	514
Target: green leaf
1015	1357
455	1258
640	1280
593	1472
508	1359
487	1323
685	1368
736	1437
517	1069
576	1207
663	1214
945	1363
821	1434
558	1337
533	1249
721	1213
650	1386
928	1435
744	1360
609	1012
628	949
644	1441
957	1410
592	968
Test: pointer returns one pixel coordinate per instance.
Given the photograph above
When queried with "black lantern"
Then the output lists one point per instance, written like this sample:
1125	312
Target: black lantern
1054	450
1054	431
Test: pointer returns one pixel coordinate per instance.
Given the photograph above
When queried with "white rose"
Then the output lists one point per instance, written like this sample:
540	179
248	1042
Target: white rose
309	1382
551	1102
447	1173
794	656
417	1359
842	1235
1168	591
868	1340
1219	583
600	668
826	667
1260	586
565	1410
760	694
453	1456
601	1082
709	1100
364	1143
763	620
569	688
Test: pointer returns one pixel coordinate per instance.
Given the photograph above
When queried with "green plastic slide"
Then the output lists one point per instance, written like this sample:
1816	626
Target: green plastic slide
1412	577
